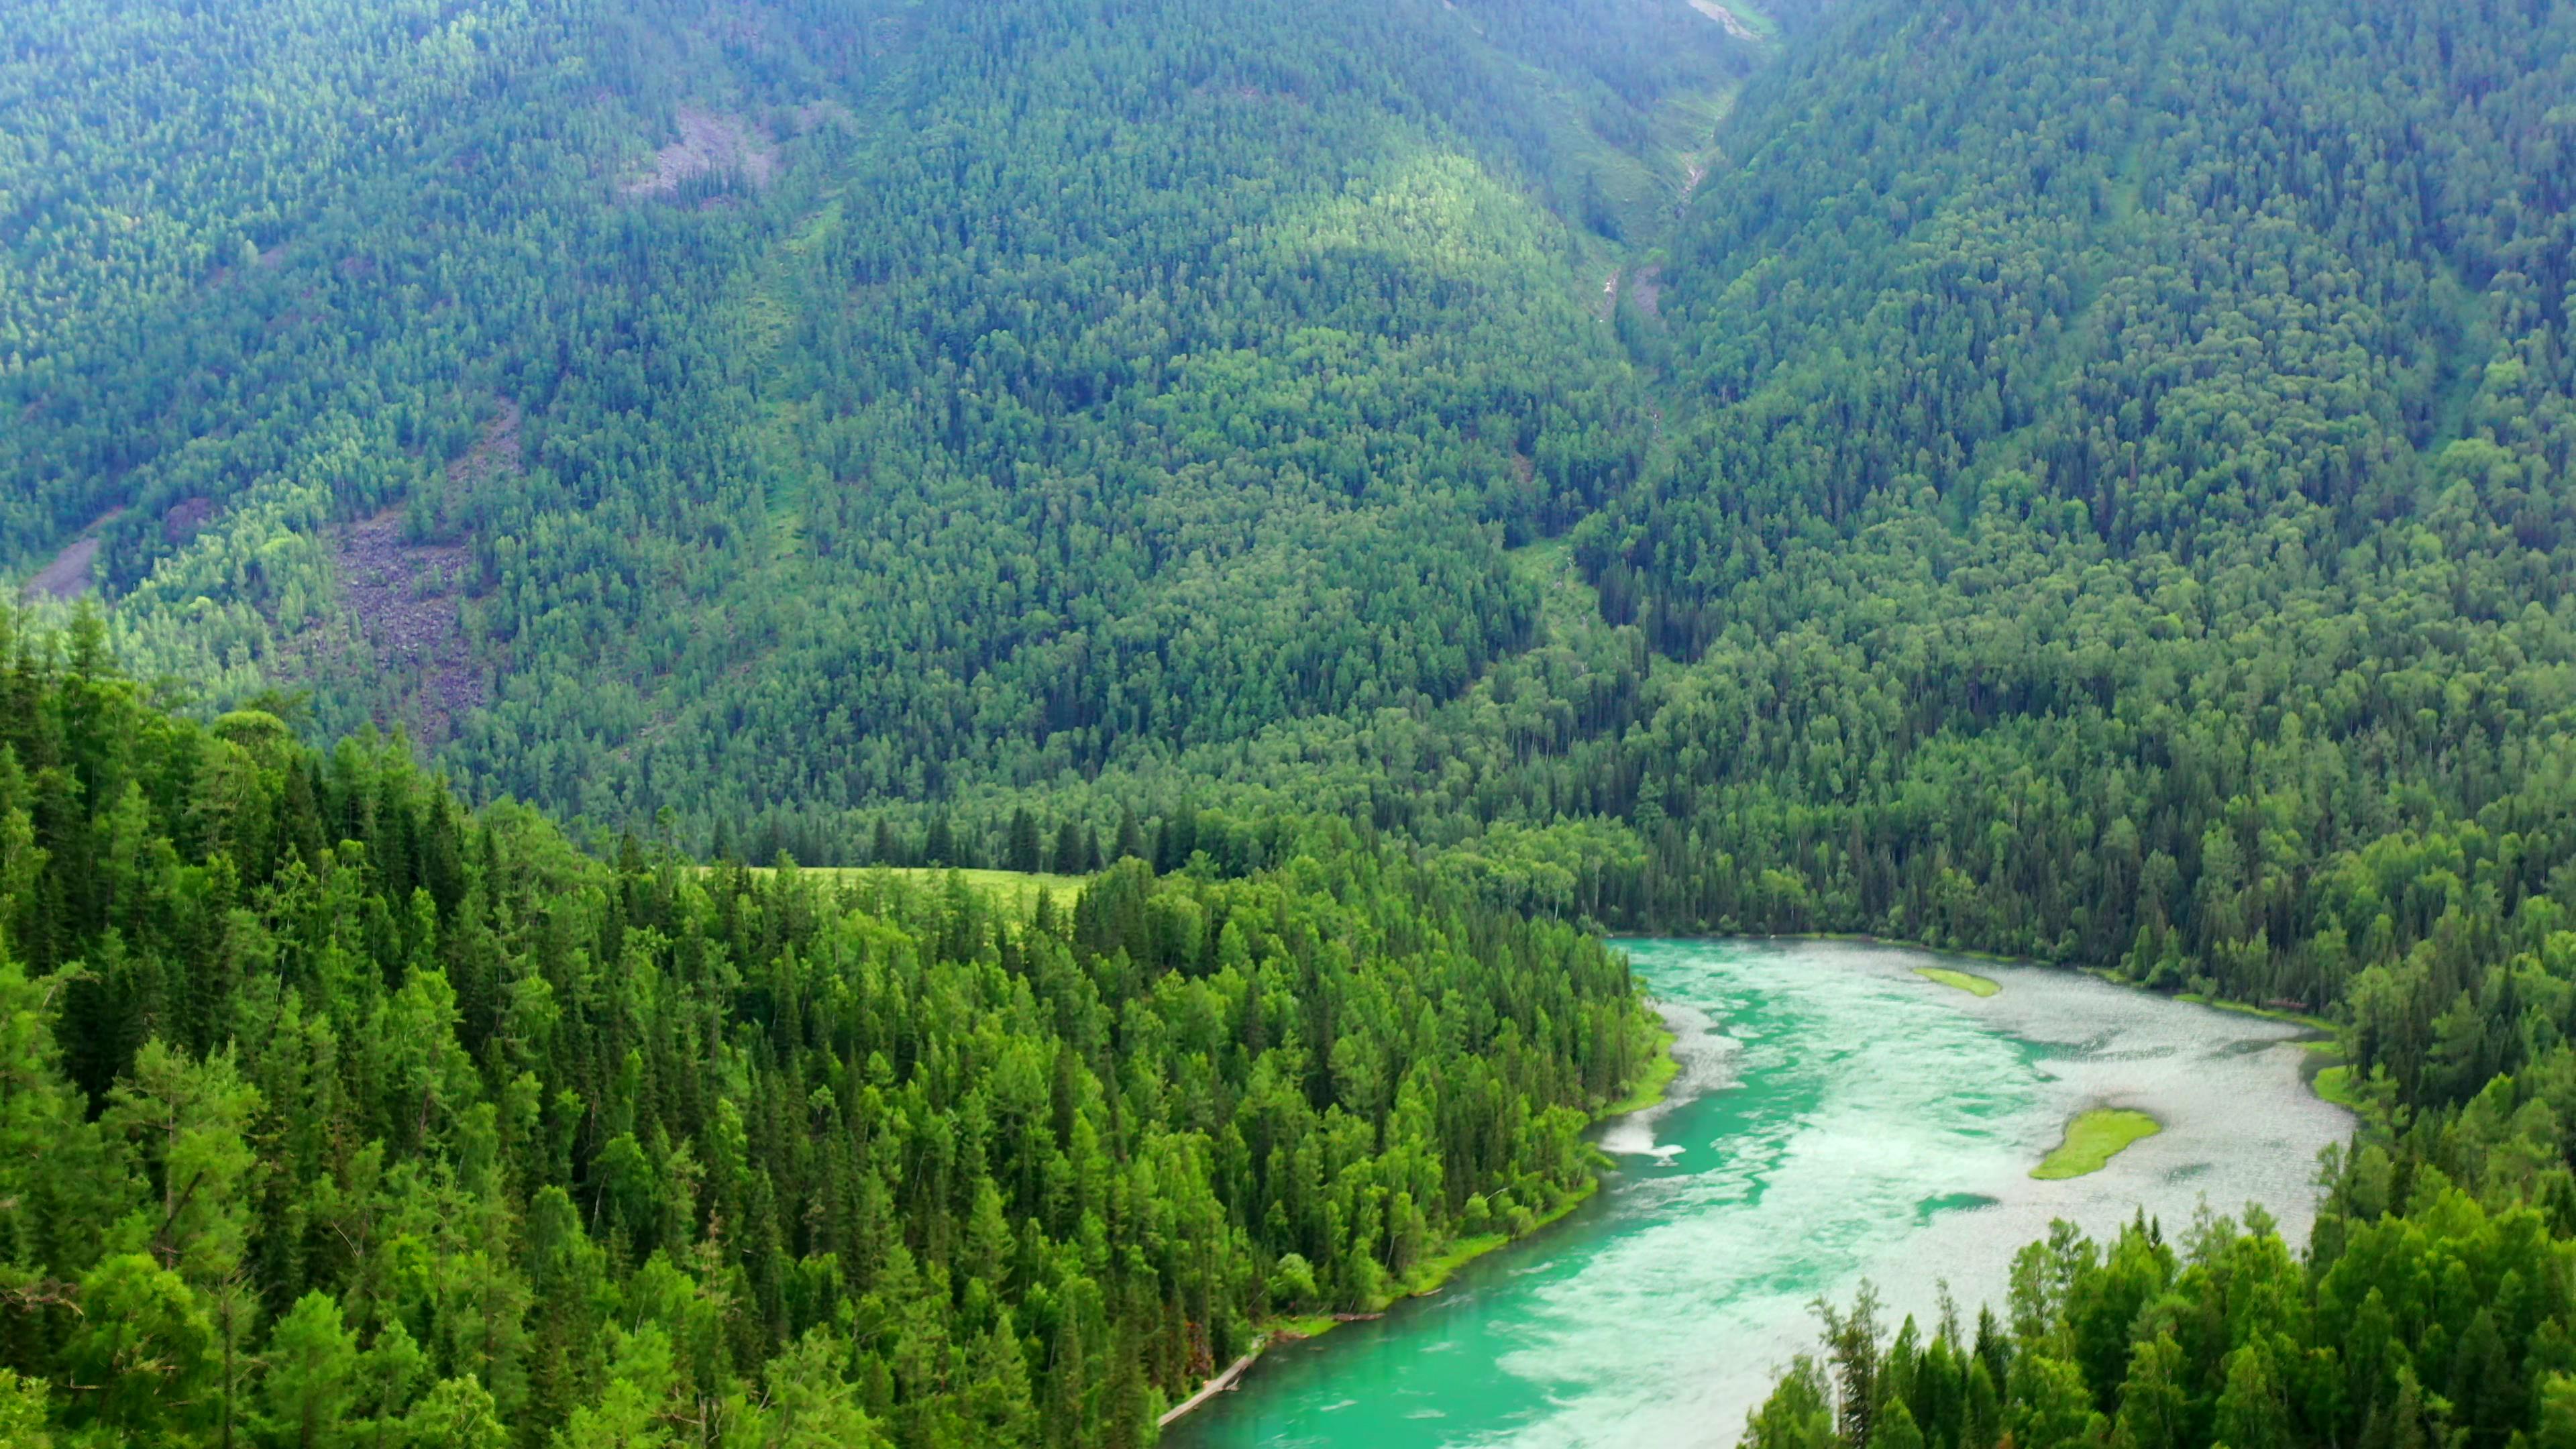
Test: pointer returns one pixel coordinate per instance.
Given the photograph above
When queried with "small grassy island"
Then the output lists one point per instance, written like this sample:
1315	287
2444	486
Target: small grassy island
1973	985
2093	1139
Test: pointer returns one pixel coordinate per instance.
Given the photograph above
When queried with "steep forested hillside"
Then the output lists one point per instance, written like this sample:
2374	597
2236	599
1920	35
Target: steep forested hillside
807	406
2130	488
2141	460
2080	480
2115	507
337	1115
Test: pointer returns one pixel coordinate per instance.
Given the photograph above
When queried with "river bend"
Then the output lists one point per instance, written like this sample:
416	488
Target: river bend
1837	1117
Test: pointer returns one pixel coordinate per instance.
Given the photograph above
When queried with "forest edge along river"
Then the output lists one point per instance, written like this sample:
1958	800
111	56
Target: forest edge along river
1838	1116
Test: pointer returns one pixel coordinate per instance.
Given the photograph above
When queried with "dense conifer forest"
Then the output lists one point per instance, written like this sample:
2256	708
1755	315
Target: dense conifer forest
1384	489
338	1114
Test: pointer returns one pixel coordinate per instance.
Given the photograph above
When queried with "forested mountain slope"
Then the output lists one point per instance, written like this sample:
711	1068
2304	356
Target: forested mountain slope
2116	506
2082	480
337	1115
2130	497
2134	476
810	405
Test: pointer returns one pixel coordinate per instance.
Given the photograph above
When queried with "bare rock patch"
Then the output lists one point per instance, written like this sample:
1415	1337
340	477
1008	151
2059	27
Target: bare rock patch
1727	18
711	144
496	452
404	597
182	519
72	572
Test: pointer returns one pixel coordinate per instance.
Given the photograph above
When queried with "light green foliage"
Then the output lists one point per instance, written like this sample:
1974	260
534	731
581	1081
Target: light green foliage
1292	1283
632	1411
458	1412
22	1412
810	1405
185	1120
311	1386
145	1344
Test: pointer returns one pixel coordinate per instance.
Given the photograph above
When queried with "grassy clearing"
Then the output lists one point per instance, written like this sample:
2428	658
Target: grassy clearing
2335	1084
2333	1079
1959	980
1013	888
2093	1139
1430	1273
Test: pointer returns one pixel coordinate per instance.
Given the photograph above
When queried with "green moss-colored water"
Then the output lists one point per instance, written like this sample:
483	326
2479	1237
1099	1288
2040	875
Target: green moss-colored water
1831	1120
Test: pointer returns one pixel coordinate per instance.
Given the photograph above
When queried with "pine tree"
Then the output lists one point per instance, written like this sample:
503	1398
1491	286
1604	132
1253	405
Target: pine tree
1023	850
311	1387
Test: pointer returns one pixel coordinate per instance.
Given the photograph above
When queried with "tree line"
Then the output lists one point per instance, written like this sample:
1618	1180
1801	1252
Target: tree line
339	1113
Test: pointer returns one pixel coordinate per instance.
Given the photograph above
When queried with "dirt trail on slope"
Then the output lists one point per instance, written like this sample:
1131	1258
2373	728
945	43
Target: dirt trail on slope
71	573
68	576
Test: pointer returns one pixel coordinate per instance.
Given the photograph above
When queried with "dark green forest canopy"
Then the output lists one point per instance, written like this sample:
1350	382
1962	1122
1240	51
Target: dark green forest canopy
332	1109
815	405
2088	481
2133	466
2115	507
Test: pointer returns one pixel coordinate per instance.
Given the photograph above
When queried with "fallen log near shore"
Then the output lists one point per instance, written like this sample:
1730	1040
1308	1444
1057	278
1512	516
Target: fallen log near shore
1215	1386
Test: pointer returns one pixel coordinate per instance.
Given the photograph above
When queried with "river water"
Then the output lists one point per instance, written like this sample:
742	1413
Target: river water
1837	1118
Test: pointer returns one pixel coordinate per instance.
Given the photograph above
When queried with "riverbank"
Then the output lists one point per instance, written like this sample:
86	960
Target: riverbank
1428	1277
1213	1387
1864	938
1653	1085
1433	1273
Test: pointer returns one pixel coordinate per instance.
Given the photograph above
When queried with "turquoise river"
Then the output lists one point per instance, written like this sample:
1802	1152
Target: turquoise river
1838	1118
